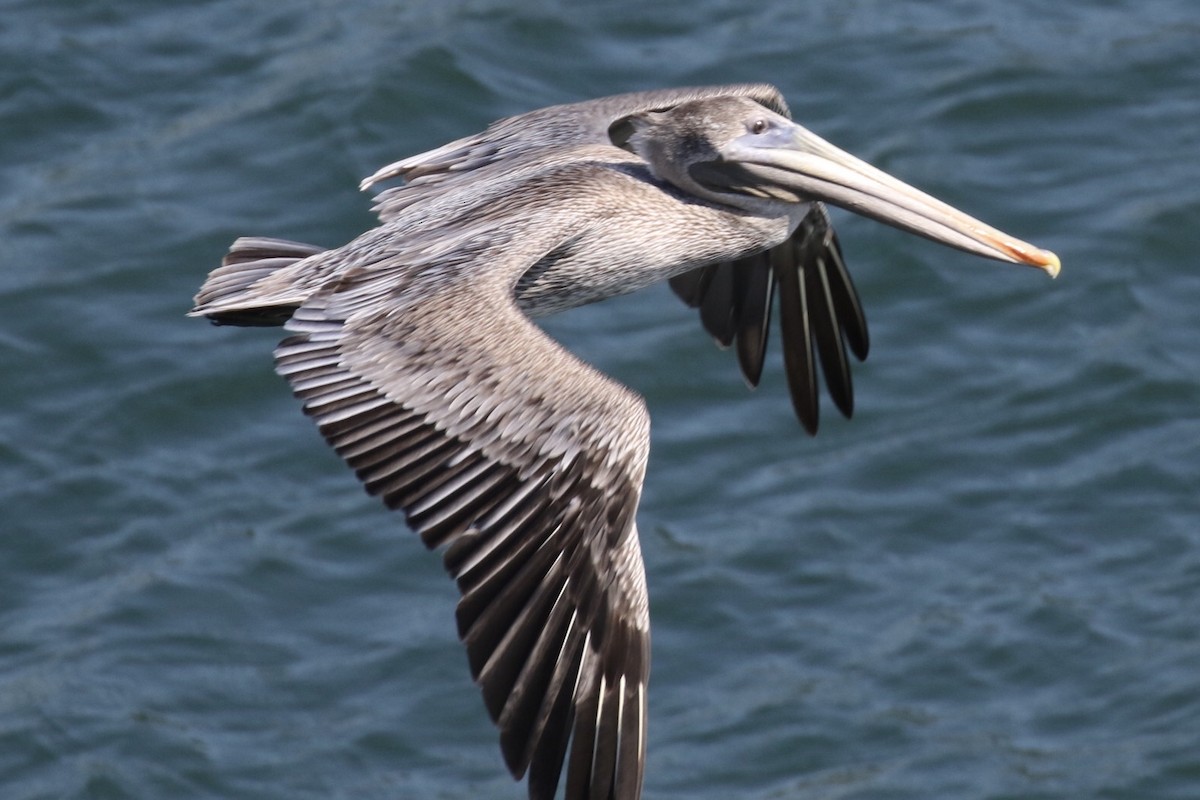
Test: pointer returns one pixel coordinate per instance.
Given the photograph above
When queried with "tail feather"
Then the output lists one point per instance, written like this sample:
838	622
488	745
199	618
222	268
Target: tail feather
257	248
239	291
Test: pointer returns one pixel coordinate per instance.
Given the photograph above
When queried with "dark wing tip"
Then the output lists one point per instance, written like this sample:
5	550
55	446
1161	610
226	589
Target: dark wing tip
796	329
831	320
846	304
754	293
719	306
821	316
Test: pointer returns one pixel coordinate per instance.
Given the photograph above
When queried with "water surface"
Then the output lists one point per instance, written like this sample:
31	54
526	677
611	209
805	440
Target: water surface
984	586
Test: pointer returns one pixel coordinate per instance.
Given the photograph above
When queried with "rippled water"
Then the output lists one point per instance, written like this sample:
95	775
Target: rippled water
985	586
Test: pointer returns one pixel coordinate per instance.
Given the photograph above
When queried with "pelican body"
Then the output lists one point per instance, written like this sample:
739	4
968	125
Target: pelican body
414	351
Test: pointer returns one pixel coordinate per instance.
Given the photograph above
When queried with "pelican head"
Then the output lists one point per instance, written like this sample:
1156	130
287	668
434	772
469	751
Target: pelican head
734	151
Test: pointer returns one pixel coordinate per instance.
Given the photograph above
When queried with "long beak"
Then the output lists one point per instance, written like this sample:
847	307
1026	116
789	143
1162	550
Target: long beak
800	162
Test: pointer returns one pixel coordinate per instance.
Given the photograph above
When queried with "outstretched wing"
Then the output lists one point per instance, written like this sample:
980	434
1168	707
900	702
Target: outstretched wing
561	126
526	465
819	306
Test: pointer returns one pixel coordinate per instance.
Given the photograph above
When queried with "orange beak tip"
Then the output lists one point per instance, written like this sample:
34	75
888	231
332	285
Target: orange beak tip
1050	263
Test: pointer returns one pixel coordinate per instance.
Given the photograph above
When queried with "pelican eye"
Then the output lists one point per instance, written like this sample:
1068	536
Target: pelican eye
759	126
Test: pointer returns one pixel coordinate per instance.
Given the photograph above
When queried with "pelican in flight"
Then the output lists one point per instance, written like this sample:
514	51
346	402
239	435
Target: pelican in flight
414	350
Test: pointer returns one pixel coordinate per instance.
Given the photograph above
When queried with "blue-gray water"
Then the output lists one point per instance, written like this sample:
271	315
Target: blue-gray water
987	585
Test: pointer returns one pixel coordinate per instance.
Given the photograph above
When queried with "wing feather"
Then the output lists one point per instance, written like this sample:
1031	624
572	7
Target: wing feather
555	127
820	313
530	479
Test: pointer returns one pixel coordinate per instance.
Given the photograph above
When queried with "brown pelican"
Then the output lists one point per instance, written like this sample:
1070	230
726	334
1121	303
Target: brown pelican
413	349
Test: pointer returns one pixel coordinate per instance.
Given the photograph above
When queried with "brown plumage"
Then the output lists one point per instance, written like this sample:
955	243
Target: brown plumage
412	348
